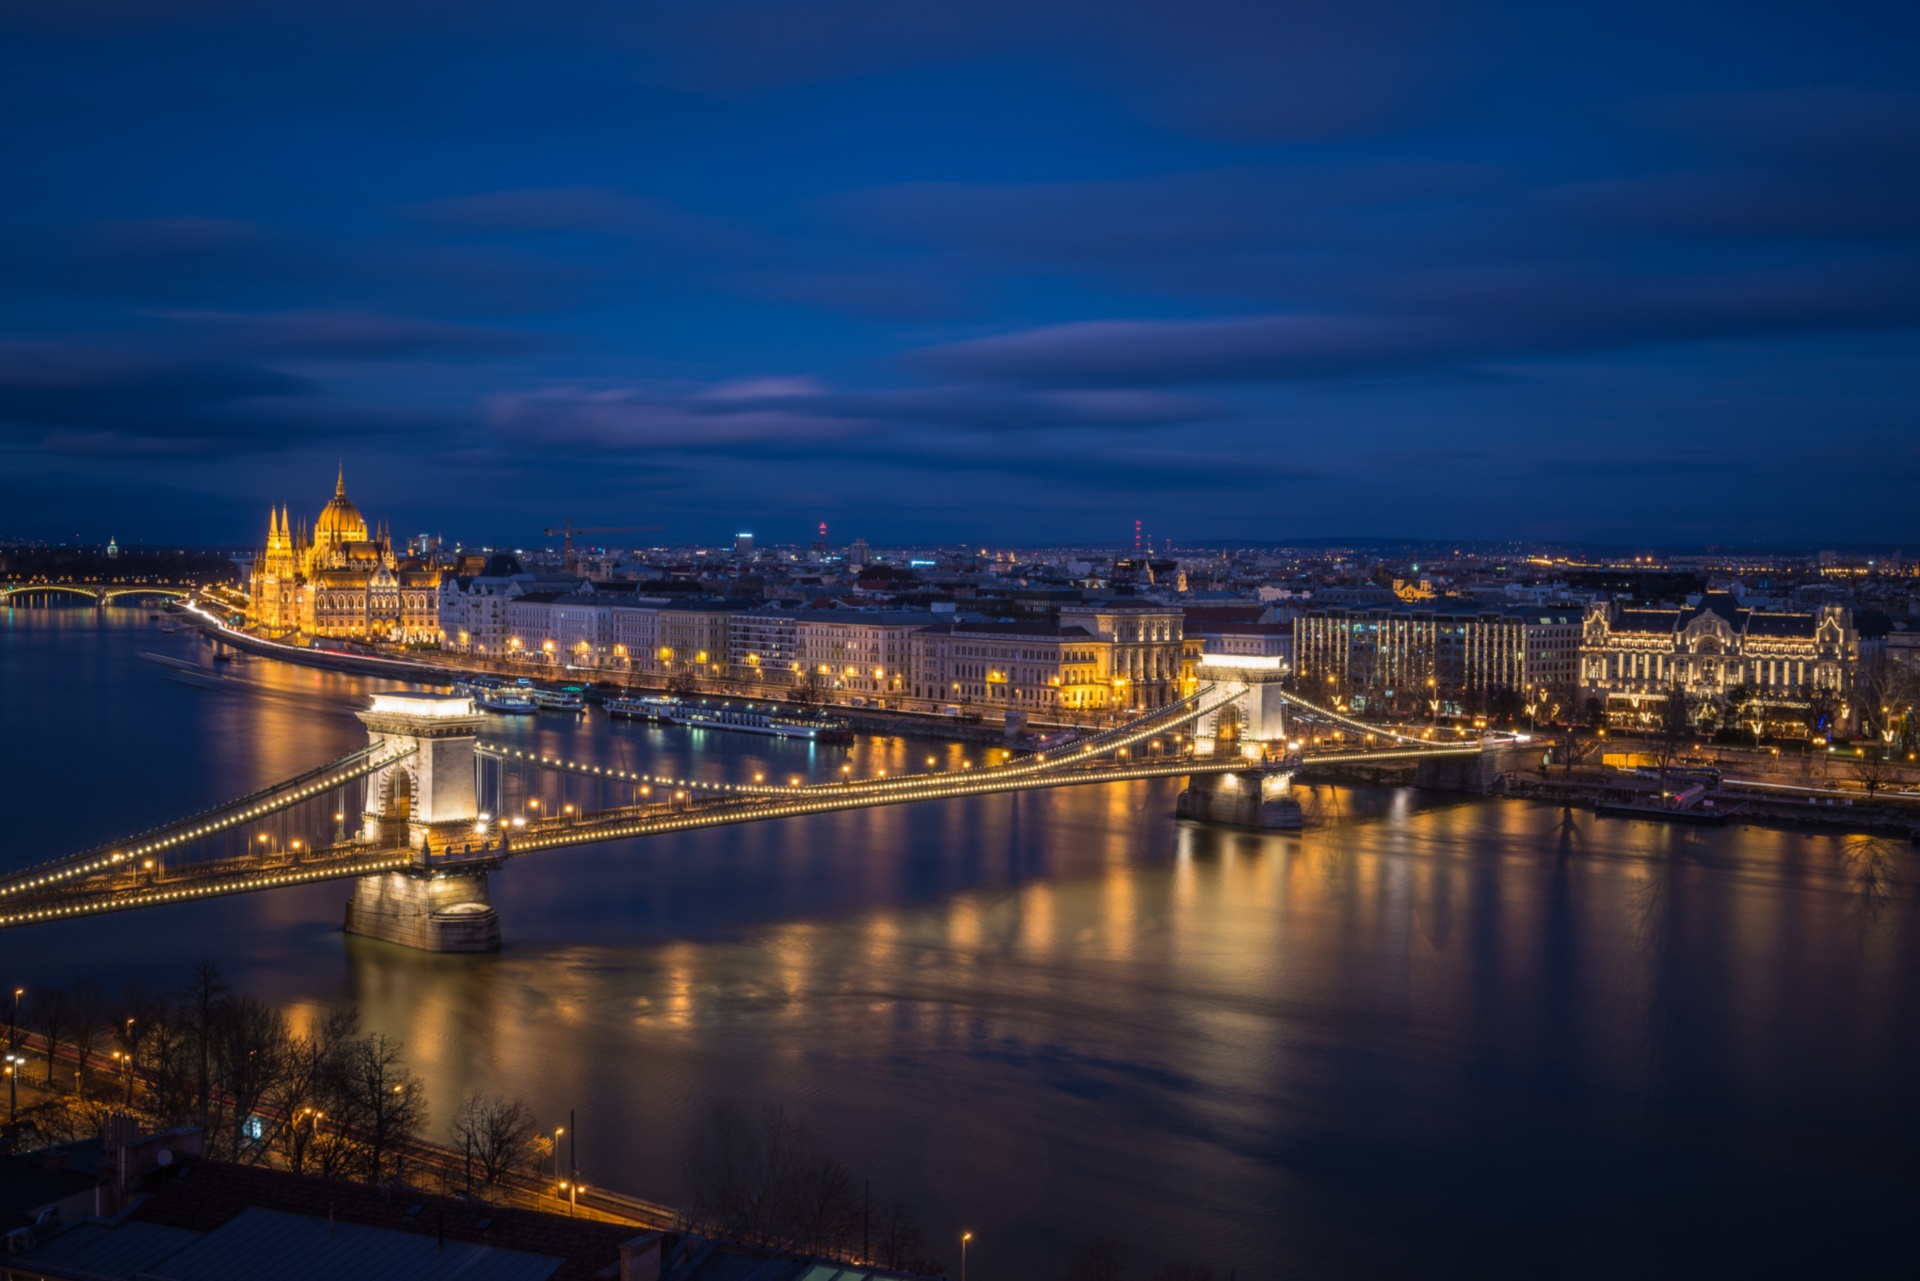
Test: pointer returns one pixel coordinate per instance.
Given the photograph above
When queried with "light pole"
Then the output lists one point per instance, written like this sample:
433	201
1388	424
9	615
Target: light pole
557	1132
965	1237
13	1085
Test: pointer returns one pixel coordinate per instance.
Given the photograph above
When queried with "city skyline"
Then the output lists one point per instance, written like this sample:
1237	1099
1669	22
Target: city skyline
1406	271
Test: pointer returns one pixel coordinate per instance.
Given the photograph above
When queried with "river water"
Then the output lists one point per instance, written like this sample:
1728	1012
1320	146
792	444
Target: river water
1428	1036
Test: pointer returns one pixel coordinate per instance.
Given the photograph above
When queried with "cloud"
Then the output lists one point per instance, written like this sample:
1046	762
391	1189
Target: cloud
630	419
804	413
104	401
45	385
589	210
1228	349
349	335
1235	69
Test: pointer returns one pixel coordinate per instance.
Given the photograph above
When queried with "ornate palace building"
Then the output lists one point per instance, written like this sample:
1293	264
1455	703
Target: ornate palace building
1773	672
341	580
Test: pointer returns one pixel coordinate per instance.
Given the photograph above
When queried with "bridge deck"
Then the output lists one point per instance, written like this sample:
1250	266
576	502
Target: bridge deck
123	888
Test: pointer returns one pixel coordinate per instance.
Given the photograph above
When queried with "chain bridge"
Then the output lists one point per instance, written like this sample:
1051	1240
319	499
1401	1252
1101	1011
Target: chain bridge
420	816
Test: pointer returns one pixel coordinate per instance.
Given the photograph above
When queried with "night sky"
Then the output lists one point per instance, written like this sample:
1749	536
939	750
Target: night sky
1003	272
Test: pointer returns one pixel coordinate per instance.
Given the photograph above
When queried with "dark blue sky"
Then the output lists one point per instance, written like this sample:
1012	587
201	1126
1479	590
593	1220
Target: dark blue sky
1009	272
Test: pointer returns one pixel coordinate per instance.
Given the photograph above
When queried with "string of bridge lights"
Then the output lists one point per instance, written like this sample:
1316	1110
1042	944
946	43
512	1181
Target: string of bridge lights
1112	740
180	835
816	800
931	787
153	833
148	898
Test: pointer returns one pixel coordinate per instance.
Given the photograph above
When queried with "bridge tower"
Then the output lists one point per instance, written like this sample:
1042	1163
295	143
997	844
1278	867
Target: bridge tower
1252	726
424	802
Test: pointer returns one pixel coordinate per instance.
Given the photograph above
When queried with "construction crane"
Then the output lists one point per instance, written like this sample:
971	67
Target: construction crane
570	529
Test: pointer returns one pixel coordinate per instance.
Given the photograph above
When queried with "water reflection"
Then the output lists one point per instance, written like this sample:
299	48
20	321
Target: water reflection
1429	1035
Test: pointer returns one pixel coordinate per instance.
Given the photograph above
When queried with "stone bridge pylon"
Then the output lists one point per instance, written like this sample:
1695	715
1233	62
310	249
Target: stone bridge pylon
425	801
1253	726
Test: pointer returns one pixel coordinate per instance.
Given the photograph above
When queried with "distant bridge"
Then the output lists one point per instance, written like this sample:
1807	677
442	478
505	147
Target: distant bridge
98	593
426	810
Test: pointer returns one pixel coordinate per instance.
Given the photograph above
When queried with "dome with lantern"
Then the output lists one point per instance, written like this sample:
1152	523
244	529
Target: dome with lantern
340	521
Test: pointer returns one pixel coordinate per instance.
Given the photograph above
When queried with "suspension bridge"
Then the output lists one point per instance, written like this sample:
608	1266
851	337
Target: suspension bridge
420	816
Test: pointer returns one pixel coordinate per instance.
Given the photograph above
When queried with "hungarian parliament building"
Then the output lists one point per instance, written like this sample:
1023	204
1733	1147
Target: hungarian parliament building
341	580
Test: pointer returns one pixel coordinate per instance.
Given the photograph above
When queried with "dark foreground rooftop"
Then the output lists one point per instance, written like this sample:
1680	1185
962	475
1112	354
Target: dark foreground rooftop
210	1221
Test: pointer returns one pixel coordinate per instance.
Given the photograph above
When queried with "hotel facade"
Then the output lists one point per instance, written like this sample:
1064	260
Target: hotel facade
1773	672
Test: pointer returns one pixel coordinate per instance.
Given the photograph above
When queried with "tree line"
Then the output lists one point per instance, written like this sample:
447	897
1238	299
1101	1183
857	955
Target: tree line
328	1099
764	1178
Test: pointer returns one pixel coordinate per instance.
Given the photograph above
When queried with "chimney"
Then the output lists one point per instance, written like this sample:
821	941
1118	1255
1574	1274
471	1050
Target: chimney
640	1257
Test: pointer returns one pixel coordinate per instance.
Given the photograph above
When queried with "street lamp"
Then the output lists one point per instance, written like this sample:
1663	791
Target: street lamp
558	1131
966	1238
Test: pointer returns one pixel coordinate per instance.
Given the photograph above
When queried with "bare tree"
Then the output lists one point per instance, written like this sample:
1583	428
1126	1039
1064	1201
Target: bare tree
1572	748
822	1205
1096	1261
1184	1272
251	1052
199	1007
900	1244
497	1134
809	689
51	1012
299	1096
764	1179
1874	772
1823	706
88	1023
1674	731
378	1103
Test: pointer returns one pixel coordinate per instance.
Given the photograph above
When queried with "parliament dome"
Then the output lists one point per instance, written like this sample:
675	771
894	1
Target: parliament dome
340	521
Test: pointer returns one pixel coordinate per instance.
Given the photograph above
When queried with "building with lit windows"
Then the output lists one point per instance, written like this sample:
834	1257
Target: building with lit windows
762	646
1404	658
862	652
1033	666
693	638
1142	645
340	579
1771	671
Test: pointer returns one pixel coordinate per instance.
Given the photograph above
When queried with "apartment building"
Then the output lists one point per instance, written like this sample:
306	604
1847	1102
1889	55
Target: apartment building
858	651
762	647
1029	666
693	638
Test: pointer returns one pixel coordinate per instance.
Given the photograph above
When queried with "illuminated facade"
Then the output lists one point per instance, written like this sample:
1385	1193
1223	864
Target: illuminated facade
866	652
1765	670
1379	657
341	580
1028	666
1142	646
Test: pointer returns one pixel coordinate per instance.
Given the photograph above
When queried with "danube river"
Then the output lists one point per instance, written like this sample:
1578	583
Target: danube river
1427	1037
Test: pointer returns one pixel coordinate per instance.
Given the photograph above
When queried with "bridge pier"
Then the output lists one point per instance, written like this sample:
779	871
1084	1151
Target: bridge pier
1253	797
425	802
434	911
